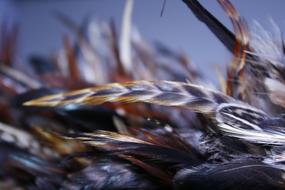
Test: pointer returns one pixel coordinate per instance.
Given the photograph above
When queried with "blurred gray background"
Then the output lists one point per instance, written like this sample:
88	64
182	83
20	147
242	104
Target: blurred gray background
41	33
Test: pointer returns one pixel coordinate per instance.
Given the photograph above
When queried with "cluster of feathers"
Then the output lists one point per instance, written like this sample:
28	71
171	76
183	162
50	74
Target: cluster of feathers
104	114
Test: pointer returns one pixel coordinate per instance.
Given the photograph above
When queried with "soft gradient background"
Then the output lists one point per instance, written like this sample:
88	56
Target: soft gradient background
41	33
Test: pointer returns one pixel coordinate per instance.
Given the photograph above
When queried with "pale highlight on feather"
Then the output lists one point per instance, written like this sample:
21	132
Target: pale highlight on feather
125	45
244	122
276	91
253	136
111	136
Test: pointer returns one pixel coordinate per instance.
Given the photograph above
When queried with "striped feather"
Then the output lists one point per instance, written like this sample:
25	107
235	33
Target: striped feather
166	93
233	118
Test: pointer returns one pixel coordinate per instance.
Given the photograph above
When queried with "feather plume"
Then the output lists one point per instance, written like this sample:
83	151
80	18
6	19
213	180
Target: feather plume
233	118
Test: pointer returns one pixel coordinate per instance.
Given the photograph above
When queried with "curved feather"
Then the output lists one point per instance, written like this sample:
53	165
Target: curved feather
233	118
166	93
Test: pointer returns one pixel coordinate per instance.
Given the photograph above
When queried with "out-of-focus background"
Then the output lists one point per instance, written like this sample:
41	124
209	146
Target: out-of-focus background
40	33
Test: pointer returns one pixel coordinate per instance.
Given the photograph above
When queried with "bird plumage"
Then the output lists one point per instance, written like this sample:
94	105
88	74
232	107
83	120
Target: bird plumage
79	133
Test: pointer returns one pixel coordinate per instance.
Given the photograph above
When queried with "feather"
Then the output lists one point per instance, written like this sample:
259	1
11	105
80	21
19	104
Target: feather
221	32
23	140
233	118
123	144
109	174
276	91
164	93
234	175
125	44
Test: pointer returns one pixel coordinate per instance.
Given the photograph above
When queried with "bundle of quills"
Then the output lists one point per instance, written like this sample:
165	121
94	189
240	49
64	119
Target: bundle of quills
120	113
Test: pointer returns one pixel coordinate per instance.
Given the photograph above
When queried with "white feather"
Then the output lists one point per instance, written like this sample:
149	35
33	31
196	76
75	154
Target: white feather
268	45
